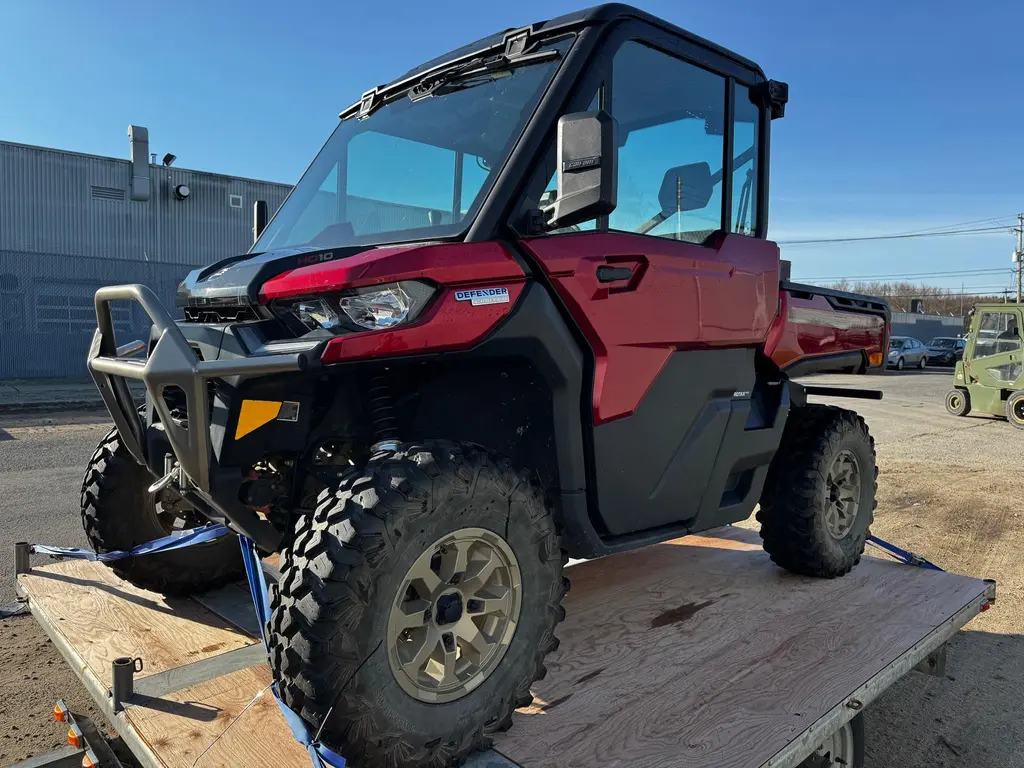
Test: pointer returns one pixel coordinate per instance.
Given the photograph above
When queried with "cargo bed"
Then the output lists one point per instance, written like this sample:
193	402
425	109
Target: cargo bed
695	652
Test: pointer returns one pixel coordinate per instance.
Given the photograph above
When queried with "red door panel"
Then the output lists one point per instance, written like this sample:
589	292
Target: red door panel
678	296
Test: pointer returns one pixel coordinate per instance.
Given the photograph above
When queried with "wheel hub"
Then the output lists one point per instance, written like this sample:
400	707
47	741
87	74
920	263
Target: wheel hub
454	615
448	609
842	494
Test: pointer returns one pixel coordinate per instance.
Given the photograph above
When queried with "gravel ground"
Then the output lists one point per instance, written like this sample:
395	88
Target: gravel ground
950	489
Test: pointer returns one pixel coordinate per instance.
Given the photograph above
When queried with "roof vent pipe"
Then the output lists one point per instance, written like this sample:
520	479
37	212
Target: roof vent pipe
138	138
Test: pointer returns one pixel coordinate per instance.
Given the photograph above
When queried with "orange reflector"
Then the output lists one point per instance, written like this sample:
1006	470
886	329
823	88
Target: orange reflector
89	760
254	414
75	738
875	358
60	713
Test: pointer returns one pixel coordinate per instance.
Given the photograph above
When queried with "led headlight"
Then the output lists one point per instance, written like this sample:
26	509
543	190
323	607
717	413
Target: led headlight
377	309
315	314
371	308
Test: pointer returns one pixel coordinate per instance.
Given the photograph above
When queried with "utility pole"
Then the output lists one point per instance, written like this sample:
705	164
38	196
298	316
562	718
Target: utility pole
1020	251
961	298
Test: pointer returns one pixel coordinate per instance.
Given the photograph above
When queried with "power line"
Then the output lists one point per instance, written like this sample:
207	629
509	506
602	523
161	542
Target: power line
946	233
1007	221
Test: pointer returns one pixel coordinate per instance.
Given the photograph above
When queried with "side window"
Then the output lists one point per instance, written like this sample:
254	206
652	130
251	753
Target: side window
671	118
746	127
998	332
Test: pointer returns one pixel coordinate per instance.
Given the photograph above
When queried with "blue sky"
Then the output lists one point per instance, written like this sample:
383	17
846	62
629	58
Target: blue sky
903	116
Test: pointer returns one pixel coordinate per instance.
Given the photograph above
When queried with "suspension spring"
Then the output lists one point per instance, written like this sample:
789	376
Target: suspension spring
382	411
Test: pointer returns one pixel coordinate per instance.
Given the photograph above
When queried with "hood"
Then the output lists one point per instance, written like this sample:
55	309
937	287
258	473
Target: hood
236	281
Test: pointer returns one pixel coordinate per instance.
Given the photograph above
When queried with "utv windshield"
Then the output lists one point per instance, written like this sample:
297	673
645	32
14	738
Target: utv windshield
413	170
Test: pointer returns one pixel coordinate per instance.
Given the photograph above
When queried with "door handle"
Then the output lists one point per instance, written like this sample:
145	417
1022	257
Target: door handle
607	274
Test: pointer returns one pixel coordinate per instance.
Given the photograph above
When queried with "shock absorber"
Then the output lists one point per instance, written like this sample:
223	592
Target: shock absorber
382	412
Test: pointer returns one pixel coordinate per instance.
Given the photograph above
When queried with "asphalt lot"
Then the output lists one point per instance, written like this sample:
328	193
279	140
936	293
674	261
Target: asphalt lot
42	462
949	488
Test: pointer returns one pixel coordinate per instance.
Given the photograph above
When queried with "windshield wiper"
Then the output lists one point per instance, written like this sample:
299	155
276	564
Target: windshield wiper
474	73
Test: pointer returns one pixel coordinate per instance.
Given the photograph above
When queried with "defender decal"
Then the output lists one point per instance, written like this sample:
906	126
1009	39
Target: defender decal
480	296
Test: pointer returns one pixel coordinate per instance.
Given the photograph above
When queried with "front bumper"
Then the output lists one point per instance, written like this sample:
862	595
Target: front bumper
172	362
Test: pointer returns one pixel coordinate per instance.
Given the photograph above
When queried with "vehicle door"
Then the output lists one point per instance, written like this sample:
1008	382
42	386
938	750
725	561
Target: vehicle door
674	290
993	357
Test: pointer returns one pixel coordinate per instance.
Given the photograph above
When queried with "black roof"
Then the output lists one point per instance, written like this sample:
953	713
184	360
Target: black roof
599	14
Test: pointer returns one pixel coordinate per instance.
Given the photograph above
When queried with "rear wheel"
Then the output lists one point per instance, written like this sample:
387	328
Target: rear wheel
119	512
1015	409
819	496
417	604
958	402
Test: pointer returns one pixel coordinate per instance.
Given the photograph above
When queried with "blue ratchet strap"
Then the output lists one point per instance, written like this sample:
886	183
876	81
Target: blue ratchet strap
321	756
176	540
903	555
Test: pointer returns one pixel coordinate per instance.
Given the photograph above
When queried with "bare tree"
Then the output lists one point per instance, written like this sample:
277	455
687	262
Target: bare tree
937	301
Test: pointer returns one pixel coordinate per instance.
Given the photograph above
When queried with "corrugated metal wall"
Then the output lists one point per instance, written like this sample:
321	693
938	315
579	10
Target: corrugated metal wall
67	227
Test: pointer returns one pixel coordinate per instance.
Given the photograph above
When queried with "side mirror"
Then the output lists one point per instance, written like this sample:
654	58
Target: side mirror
683	188
588	169
686	188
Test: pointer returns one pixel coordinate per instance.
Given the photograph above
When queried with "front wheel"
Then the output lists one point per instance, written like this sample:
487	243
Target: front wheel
1015	409
958	402
819	496
417	604
923	364
119	512
899	364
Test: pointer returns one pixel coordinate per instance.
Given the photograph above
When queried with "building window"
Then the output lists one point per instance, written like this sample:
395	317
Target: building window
235	201
63	313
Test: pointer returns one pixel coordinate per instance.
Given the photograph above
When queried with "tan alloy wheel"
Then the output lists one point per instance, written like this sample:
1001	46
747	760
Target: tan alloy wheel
454	615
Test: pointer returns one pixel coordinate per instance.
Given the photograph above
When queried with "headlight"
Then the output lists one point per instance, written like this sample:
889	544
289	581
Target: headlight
377	309
893	352
372	308
315	314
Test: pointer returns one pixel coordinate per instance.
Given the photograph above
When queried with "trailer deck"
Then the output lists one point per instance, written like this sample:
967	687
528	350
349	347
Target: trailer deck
695	652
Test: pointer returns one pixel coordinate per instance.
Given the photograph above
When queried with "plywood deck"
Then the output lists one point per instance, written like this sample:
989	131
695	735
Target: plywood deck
697	652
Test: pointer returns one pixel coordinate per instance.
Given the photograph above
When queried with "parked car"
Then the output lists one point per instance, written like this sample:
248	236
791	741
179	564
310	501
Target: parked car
905	351
946	350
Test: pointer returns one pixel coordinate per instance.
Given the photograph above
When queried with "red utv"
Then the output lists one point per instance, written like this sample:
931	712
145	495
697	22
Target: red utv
521	307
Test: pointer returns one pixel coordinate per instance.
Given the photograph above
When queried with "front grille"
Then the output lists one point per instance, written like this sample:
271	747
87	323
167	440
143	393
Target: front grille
244	314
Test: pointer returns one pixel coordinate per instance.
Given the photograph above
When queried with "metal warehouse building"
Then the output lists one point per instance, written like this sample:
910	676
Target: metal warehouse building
71	223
